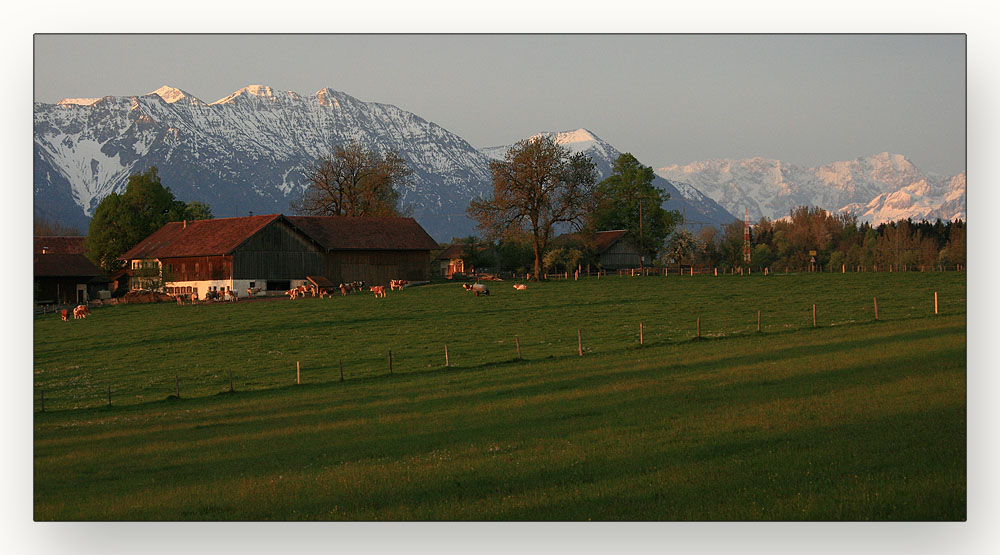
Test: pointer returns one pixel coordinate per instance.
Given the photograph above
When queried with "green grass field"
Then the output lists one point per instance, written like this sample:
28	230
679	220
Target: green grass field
854	419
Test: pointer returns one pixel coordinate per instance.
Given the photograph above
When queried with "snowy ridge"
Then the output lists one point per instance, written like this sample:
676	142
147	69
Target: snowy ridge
877	188
245	152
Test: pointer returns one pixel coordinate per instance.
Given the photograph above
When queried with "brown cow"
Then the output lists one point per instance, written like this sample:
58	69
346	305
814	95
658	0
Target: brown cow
378	290
397	284
520	286
81	311
64	314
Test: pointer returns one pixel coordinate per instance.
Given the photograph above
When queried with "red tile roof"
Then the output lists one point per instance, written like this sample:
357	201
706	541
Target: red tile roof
60	245
350	233
223	235
199	237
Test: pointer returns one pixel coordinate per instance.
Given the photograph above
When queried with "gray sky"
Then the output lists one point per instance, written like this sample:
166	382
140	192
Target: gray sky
804	99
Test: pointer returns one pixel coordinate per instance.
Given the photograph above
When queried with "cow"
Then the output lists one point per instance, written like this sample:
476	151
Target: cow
378	290
397	284
64	314
194	297
292	293
358	285
477	288
233	295
324	292
520	286
345	288
180	299
81	311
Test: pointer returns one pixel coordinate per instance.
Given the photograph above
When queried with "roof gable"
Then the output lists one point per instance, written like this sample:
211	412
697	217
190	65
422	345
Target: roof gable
60	244
600	241
64	265
199	237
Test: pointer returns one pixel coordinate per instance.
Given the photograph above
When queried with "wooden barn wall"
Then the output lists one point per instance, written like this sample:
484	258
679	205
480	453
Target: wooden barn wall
277	252
620	255
377	267
197	268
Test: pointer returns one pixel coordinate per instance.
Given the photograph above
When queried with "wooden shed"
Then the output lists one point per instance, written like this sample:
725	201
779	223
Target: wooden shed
62	272
612	249
452	260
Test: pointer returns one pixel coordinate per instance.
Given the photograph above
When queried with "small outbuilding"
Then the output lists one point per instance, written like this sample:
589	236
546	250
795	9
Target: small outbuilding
452	260
611	249
62	272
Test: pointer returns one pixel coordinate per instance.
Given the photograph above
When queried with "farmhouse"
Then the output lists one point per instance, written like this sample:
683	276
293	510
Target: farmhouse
612	249
274	253
62	272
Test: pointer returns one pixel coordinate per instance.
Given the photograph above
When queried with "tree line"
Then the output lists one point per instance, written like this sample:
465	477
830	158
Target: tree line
838	241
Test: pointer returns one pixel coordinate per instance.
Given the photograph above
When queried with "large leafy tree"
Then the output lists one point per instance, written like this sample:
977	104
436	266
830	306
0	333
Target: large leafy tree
537	186
354	181
122	220
627	199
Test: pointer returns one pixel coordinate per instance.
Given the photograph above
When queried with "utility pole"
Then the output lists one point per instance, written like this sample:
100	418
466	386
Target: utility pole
746	237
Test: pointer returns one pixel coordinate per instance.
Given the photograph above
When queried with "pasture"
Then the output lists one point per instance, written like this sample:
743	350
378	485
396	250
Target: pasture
851	419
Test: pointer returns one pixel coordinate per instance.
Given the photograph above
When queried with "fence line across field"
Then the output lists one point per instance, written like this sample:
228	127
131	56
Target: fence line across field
110	387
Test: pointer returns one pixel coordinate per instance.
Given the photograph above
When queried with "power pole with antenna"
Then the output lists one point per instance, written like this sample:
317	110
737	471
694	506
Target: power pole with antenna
746	236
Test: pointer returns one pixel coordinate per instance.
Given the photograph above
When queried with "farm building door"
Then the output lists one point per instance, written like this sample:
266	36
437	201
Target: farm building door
81	294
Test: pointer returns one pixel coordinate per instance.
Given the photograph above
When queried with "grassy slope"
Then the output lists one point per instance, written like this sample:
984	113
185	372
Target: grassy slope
851	420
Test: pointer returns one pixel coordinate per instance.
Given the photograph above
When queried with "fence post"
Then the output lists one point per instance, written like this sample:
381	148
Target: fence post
177	387
341	364
447	363
699	327
814	316
518	344
758	321
875	300
935	303
298	373
579	342
640	333
230	380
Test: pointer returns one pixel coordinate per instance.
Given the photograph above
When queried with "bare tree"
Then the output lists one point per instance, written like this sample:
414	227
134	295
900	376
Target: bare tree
538	185
354	181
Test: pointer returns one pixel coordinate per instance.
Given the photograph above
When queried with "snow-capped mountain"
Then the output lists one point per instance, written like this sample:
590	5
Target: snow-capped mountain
696	207
877	189
245	152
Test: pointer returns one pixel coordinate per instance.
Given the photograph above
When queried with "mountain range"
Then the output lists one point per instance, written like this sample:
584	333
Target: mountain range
247	152
876	189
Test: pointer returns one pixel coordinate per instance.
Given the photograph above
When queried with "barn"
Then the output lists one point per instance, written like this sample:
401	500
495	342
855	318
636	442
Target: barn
373	250
611	249
273	253
62	272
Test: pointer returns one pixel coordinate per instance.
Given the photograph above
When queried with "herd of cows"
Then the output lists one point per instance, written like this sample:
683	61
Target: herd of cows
82	311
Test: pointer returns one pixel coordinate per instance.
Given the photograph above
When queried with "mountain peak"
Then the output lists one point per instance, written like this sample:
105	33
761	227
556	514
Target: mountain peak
172	94
262	91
